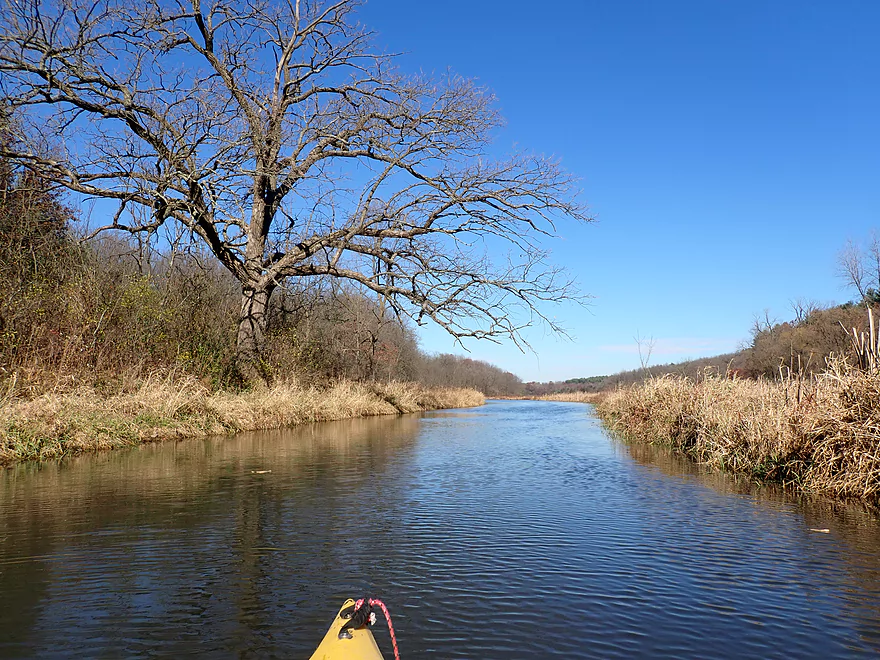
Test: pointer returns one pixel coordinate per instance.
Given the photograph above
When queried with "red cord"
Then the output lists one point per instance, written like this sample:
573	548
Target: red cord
376	601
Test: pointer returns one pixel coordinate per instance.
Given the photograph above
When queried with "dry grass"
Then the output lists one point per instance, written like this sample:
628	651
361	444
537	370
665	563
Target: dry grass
820	435
577	397
57	424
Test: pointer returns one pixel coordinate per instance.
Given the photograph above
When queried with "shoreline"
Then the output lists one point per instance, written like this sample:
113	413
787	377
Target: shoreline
57	425
816	436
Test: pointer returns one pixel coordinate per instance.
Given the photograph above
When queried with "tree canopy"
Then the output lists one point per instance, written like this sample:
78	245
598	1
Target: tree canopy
277	137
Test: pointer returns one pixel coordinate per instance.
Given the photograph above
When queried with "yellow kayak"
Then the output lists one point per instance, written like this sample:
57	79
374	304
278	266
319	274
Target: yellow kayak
355	644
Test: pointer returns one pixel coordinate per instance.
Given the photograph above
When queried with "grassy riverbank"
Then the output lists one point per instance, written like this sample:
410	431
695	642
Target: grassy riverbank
818	435
53	425
575	397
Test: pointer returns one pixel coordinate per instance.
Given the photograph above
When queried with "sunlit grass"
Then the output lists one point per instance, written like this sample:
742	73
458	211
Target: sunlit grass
819	435
576	397
67	422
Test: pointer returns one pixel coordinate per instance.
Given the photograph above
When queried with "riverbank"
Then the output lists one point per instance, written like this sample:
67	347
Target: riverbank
54	425
574	397
819	435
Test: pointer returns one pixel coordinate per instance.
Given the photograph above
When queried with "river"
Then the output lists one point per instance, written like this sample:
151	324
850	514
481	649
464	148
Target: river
515	530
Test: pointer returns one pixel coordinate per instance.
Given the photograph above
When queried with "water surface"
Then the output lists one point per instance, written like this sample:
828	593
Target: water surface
516	530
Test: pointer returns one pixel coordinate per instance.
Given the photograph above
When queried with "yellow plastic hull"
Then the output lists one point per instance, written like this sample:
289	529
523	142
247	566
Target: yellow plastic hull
361	646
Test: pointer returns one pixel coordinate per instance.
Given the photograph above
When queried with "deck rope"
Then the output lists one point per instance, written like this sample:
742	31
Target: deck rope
376	602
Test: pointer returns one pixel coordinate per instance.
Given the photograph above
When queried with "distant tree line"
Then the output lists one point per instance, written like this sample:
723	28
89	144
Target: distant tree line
776	349
109	311
802	344
446	369
601	383
798	347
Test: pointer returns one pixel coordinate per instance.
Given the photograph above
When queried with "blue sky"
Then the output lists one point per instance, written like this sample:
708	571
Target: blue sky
728	150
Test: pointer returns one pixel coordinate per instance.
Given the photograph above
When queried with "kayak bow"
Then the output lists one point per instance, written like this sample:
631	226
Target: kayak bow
355	642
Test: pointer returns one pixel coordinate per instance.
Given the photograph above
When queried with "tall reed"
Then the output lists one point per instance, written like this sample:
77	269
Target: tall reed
819	434
866	347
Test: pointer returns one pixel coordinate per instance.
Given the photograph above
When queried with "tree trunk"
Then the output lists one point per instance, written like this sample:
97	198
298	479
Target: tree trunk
251	332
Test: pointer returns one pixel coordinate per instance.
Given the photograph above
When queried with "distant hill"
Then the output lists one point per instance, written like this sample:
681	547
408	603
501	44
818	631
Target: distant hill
801	345
601	383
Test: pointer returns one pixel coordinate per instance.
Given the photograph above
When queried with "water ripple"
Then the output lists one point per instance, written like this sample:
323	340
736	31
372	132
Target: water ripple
518	530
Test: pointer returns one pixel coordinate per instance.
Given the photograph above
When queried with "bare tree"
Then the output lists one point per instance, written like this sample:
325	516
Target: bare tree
763	325
803	309
859	267
646	347
272	132
851	268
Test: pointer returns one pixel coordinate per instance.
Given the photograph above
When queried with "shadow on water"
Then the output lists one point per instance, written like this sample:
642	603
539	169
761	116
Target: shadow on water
162	534
852	523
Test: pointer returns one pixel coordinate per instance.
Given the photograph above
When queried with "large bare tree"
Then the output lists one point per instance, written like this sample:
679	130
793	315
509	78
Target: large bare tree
276	136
